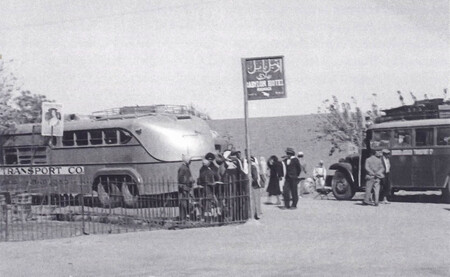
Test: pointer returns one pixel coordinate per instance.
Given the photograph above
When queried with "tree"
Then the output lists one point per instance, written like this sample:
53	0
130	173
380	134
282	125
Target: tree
16	105
342	124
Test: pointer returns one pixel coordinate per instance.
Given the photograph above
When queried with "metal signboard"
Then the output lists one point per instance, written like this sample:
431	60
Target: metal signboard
52	119
264	78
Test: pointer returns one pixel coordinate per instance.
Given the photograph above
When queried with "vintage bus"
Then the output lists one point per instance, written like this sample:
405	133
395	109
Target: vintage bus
420	157
120	151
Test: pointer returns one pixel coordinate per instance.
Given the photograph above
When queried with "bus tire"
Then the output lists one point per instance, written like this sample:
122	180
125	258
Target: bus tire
446	191
342	188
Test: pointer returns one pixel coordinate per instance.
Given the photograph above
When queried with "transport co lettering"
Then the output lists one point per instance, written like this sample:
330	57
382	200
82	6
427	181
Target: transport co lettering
52	170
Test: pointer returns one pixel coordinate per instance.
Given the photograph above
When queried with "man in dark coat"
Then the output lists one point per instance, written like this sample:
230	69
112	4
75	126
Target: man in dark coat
293	170
385	192
185	182
207	179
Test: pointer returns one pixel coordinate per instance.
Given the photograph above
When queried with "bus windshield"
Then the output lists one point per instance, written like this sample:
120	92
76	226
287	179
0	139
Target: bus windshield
380	139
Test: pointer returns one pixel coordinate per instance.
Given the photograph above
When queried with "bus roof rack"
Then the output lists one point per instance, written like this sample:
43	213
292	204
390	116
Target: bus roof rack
423	109
181	111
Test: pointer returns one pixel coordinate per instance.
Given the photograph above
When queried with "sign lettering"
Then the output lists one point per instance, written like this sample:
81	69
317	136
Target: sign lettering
43	170
264	78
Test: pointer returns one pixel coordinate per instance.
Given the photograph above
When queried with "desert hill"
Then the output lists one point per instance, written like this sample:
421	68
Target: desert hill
271	135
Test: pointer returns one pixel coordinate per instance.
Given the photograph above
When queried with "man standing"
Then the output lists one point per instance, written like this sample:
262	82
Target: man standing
374	174
256	188
293	170
185	182
385	192
319	175
300	157
207	179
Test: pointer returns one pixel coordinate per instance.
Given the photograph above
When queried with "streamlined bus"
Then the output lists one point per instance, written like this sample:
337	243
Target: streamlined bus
122	151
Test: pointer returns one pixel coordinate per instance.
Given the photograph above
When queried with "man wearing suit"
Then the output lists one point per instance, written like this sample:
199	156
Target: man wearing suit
375	172
385	192
293	170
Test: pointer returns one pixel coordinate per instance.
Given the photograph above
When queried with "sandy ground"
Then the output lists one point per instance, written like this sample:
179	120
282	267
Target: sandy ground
320	238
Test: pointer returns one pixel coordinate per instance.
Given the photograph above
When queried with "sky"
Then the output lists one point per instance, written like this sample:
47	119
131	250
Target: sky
101	54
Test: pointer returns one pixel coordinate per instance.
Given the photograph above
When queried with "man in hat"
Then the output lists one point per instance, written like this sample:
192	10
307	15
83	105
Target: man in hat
293	170
185	182
374	174
213	165
385	192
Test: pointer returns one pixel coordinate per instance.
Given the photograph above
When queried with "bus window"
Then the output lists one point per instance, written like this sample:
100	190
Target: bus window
424	137
82	137
125	137
402	138
40	155
96	137
68	139
110	136
11	156
443	136
380	139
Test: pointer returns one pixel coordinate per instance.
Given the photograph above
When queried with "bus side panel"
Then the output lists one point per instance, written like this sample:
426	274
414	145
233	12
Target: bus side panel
400	173
442	165
422	175
58	184
155	176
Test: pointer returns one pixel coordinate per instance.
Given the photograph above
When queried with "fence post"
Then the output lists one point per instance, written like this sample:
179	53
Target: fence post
6	223
82	207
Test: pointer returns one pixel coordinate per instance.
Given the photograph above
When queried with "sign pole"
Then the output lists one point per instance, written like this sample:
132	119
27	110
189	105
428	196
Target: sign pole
247	143
50	168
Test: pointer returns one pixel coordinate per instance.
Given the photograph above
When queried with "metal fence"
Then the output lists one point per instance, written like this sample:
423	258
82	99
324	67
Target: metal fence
33	215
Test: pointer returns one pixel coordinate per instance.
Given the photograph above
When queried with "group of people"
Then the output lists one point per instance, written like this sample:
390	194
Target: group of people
221	176
226	174
378	186
285	175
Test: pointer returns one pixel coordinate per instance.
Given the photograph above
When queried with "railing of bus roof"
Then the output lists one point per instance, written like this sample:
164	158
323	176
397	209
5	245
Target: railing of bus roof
139	111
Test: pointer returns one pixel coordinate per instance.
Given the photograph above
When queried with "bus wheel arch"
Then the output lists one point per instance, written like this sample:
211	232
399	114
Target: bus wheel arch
126	182
342	186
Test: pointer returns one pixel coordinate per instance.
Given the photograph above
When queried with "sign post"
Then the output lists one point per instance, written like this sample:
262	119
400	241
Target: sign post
247	142
263	79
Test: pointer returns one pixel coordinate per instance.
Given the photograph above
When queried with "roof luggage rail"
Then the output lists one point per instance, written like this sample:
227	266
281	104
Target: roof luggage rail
423	109
181	111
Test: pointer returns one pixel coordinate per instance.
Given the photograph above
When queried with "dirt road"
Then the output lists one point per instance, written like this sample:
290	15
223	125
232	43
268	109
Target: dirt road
320	238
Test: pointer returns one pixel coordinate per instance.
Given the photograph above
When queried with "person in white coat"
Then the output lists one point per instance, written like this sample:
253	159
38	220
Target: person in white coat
319	175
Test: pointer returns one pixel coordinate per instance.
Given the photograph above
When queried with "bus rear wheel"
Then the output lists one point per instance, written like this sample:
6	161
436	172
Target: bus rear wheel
342	188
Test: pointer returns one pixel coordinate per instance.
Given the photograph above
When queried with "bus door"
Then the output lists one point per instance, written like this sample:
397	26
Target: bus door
401	159
423	162
442	155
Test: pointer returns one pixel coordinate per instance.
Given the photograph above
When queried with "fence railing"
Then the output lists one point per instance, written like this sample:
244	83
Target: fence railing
33	215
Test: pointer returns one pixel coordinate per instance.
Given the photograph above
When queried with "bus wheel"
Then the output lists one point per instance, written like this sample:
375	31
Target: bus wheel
446	191
342	189
130	197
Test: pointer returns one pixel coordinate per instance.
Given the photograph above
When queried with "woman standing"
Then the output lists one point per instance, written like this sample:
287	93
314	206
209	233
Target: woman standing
276	174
